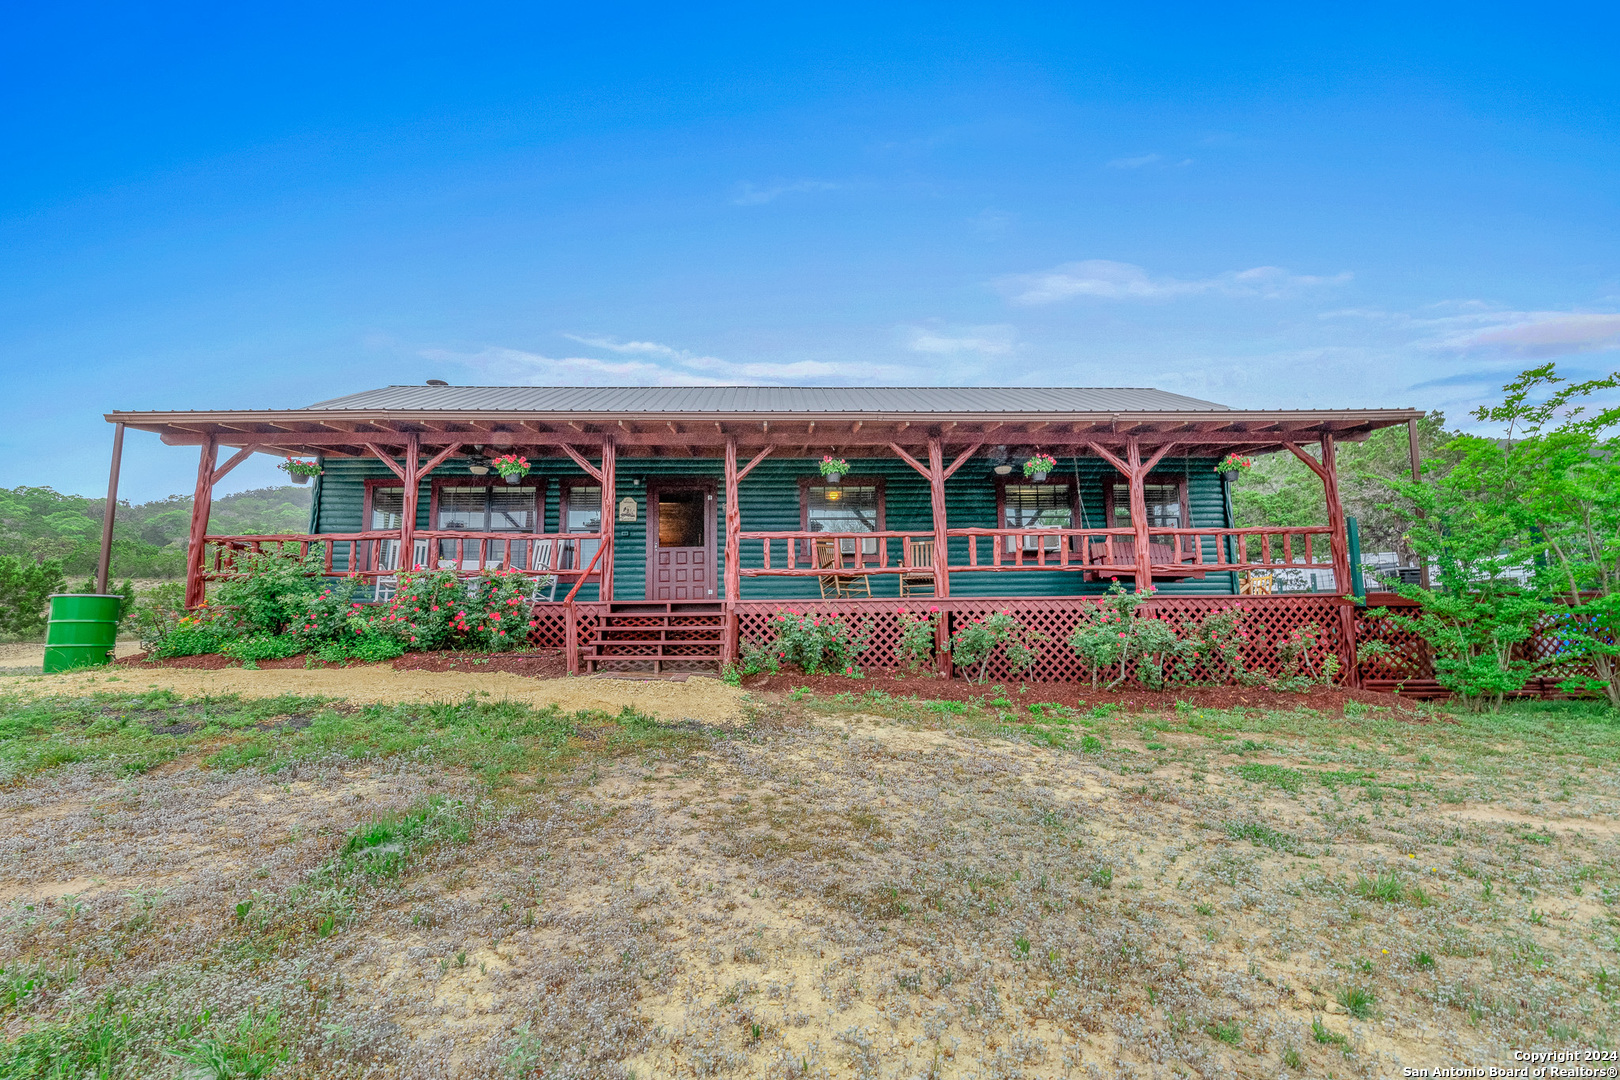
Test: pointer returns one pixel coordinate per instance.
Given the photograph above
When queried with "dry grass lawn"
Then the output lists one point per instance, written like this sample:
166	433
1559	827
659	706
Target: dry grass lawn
853	887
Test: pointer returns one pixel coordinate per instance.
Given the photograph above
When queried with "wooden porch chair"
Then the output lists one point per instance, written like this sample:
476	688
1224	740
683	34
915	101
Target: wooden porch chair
838	586
388	559
543	561
918	571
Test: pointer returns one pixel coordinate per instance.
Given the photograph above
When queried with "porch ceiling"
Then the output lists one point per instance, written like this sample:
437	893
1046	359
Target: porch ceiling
345	432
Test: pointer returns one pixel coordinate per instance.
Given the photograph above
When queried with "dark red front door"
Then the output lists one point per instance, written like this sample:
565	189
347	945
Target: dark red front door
680	543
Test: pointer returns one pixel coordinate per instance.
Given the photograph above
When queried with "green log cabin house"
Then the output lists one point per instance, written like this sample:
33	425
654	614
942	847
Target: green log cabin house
671	522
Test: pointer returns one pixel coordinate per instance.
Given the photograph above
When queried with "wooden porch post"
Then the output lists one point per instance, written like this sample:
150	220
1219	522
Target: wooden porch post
201	500
1341	558
1416	457
1137	477
610	506
733	579
1338	539
105	563
407	517
936	497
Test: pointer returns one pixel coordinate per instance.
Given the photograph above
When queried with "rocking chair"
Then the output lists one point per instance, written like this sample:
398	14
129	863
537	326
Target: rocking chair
838	586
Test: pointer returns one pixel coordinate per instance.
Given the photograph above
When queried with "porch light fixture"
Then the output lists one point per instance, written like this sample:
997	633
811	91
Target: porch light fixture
478	469
1003	470
834	494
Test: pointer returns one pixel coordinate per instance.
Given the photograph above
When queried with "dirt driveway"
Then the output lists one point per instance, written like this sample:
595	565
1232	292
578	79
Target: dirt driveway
703	699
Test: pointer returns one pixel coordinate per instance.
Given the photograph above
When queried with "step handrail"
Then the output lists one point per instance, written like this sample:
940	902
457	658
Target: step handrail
607	543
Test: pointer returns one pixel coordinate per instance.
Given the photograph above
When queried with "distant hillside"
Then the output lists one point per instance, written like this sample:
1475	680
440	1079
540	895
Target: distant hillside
150	538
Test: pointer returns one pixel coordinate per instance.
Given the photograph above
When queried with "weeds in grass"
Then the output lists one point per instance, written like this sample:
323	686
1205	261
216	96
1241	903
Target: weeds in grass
1357	1001
1230	1033
1326	1037
1276	775
1262	835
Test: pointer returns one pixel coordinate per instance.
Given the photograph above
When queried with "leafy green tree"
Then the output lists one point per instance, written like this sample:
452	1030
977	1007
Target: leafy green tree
1515	520
1281	490
149	540
25	586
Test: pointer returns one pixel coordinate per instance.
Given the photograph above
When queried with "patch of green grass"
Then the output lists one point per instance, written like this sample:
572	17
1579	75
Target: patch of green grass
1388	888
1292	1058
1230	1033
383	847
1321	1034
1262	835
1357	1001
134	732
1275	775
249	1050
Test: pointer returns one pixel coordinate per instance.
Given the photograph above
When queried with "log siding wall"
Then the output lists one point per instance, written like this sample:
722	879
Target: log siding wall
770	502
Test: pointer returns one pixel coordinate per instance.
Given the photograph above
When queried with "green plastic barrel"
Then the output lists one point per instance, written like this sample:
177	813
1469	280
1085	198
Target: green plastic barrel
82	631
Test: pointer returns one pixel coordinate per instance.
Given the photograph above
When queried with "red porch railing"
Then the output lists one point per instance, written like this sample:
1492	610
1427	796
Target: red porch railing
1107	552
375	554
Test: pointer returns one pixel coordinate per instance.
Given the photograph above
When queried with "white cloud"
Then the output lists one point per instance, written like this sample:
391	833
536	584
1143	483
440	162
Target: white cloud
640	363
1135	162
1108	280
751	195
996	340
1544	334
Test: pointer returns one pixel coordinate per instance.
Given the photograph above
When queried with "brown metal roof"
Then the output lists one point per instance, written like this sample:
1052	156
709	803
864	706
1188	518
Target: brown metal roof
770	399
698	421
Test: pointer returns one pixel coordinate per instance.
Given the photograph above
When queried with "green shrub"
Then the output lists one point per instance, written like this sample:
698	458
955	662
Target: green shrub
915	649
156	614
258	647
436	609
193	636
978	640
24	587
268	592
1112	634
369	647
818	644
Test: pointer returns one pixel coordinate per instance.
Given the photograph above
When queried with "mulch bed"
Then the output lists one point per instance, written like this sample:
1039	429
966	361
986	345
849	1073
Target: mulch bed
218	661
1326	699
534	663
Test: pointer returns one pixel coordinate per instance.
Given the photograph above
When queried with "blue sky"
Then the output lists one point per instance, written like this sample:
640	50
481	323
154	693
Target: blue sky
1269	207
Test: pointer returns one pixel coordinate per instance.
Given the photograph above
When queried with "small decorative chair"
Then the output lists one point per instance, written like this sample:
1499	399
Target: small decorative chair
838	586
388	559
543	561
918	571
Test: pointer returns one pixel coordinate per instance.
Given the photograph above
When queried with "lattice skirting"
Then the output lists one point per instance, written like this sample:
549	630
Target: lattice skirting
552	633
1268	619
1409	664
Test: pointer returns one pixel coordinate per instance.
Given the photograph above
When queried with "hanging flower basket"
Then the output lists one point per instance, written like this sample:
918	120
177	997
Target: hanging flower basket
1235	463
512	467
1038	466
301	471
834	468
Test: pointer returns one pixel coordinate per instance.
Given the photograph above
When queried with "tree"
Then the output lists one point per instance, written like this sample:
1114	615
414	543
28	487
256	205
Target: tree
24	587
1281	490
1512	521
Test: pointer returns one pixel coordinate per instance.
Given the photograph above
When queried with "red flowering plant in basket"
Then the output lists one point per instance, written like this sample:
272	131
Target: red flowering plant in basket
512	467
1235	462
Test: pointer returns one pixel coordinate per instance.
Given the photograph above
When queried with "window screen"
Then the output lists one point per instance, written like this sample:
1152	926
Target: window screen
1037	506
512	509
846	508
583	509
387	507
581	512
462	509
1163	504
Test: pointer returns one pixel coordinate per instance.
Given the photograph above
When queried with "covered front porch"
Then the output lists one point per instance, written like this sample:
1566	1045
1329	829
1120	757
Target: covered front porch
728	511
